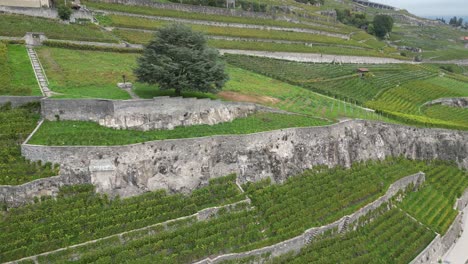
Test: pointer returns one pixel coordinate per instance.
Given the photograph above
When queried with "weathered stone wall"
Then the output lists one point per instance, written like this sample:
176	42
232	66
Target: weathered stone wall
18	195
461	102
296	243
157	113
19	100
25	3
183	165
42	12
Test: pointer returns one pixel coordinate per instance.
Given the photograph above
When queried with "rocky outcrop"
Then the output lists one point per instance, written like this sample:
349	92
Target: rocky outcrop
461	102
183	165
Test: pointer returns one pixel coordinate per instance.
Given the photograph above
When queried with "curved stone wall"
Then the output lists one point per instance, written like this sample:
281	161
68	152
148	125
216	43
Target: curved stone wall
461	102
183	165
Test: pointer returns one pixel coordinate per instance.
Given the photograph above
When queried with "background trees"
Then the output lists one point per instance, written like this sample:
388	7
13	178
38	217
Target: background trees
179	59
383	25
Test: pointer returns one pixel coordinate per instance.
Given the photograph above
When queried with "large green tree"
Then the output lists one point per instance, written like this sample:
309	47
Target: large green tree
178	58
383	25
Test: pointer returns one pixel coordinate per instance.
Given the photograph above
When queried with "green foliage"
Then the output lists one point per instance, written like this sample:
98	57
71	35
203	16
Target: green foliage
15	126
345	16
179	59
64	12
383	24
79	215
72	132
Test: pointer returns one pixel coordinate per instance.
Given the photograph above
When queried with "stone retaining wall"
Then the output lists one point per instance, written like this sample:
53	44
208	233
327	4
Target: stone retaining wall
19	100
44	12
295	244
158	113
182	165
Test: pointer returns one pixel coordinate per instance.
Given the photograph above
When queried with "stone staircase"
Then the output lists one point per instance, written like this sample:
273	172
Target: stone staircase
39	72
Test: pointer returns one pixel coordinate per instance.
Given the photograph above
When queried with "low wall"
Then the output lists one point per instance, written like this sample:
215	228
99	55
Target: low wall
157	113
295	244
182	165
43	12
19	100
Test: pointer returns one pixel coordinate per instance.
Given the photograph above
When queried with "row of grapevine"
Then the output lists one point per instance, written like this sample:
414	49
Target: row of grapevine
80	215
392	237
15	126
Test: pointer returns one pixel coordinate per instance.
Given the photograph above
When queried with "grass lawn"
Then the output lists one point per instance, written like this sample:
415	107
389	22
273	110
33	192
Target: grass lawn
17	76
17	26
86	74
61	133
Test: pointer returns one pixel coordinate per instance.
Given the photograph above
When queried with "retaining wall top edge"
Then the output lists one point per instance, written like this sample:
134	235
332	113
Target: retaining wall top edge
340	124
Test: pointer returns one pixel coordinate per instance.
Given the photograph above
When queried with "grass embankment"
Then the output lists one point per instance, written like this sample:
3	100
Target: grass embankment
16	73
15	126
62	133
17	26
314	198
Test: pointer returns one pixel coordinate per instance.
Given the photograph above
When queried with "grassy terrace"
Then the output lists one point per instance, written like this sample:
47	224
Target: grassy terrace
16	74
144	23
17	26
338	28
278	212
73	132
15	126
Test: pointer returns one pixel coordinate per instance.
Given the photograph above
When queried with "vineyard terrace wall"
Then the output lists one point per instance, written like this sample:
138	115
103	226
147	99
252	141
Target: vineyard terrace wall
19	100
157	113
461	102
182	165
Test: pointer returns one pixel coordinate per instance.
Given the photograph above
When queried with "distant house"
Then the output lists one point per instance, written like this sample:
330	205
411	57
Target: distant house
25	3
362	71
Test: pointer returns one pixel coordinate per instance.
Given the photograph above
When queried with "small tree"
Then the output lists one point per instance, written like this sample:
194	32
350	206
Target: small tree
383	25
64	12
179	59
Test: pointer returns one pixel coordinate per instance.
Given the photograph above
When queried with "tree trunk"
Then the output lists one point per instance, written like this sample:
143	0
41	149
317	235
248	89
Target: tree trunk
178	92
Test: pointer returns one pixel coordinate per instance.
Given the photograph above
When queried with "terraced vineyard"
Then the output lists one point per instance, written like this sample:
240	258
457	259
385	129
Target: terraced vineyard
16	74
15	126
392	237
277	212
407	101
332	79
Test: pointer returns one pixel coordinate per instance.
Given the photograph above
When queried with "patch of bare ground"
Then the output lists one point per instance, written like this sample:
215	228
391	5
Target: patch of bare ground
238	97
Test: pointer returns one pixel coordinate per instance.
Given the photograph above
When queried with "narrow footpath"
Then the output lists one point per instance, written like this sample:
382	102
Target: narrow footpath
458	254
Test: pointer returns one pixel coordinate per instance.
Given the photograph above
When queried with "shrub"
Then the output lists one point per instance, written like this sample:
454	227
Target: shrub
64	12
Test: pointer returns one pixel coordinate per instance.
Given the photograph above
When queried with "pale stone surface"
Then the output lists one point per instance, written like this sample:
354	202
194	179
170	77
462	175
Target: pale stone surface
461	102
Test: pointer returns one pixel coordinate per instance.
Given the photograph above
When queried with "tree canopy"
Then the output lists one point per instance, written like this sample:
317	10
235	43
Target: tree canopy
178	58
383	25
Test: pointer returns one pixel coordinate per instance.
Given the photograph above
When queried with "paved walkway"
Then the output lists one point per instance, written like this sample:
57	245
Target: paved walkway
458	254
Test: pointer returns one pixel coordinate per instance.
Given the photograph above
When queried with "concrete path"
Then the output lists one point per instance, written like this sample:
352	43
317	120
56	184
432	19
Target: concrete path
39	72
458	254
316	58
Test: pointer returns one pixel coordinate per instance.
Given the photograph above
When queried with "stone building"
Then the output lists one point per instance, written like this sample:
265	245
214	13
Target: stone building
25	3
